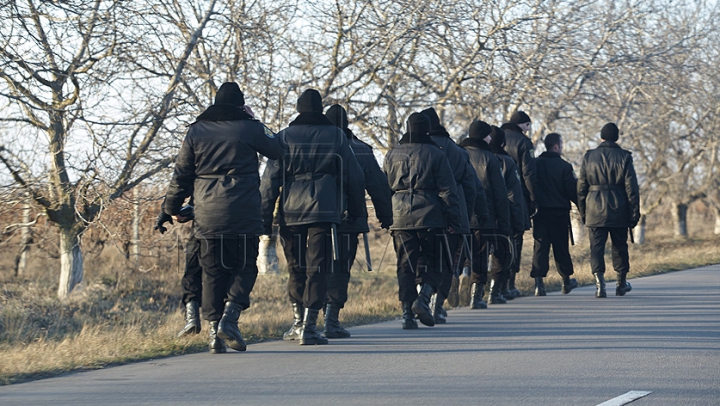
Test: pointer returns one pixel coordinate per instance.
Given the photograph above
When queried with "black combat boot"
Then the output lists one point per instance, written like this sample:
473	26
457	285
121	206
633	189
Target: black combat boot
539	287
623	286
217	345
568	284
505	290
600	285
409	322
477	291
495	296
192	319
296	328
436	305
421	305
309	334
333	329
228	327
514	292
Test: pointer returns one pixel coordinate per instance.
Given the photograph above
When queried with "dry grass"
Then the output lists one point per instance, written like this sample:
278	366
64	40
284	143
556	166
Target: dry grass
119	317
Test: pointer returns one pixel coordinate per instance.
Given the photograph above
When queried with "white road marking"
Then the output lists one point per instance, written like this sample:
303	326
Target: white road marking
626	398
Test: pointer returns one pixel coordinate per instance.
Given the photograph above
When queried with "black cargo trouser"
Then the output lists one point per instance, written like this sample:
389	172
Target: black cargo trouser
229	272
308	250
620	255
550	229
420	260
191	282
502	258
338	277
455	242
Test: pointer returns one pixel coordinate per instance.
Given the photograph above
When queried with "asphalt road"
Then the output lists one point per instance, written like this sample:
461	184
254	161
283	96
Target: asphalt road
662	338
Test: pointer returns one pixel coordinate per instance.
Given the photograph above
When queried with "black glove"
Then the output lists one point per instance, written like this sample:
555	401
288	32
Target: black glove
187	212
349	219
267	231
634	224
162	218
386	223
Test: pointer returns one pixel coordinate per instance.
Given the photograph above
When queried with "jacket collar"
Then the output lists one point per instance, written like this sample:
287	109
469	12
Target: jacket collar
475	142
311	118
439	131
549	154
407	138
223	112
608	144
512	127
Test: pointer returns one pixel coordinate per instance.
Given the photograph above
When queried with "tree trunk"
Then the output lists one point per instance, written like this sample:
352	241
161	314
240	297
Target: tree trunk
639	231
71	261
716	211
267	261
25	240
578	228
680	219
135	239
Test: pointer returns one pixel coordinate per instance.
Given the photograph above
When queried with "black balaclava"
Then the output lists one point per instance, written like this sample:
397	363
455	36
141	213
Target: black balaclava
497	140
610	132
520	117
479	129
418	124
230	93
310	101
433	116
338	116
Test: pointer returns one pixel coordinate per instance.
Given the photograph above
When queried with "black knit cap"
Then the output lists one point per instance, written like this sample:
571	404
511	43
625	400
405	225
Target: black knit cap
418	123
610	132
337	115
310	101
497	137
230	93
479	129
520	117
433	116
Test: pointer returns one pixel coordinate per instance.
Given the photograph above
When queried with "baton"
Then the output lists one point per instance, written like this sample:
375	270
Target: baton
447	247
632	237
334	237
367	252
572	238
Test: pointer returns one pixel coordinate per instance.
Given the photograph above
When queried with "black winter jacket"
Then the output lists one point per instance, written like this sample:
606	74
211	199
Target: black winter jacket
488	170
516	199
464	176
522	150
317	175
424	190
376	185
607	188
557	184
218	166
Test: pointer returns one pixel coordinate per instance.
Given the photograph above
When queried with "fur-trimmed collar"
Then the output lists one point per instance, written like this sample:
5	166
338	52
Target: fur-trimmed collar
608	144
223	112
311	118
439	131
475	142
417	139
512	127
549	154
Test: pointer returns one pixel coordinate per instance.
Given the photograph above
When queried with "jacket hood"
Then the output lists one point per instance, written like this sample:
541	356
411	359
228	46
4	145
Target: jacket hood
223	112
311	118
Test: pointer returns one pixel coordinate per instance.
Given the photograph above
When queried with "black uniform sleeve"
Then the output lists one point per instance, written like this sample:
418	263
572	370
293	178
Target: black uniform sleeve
467	182
500	195
633	191
480	204
353	179
517	208
528	170
183	179
266	143
582	189
447	191
570	184
376	184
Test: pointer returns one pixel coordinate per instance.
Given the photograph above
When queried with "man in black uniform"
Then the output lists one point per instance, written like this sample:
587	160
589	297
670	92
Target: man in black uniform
218	166
495	231
515	199
425	207
317	174
522	150
556	188
379	191
468	191
609	203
